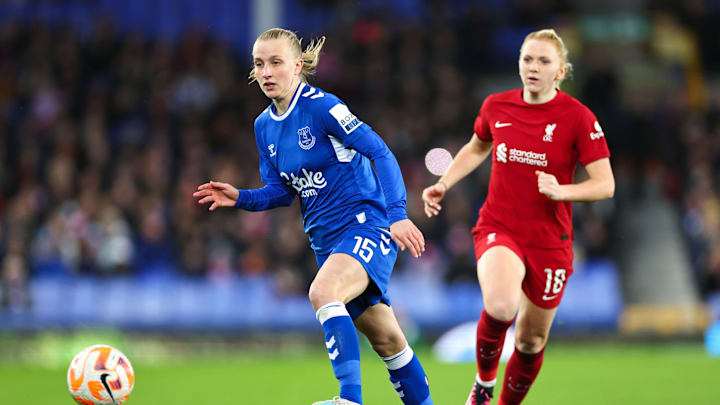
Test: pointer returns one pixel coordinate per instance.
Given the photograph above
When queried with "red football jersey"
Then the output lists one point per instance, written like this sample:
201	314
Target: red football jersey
551	137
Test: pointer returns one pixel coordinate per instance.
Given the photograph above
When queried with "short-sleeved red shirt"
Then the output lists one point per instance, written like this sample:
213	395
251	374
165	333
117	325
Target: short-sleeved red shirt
551	137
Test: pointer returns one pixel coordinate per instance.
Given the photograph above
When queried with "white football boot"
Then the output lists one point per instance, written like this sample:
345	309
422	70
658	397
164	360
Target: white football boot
336	401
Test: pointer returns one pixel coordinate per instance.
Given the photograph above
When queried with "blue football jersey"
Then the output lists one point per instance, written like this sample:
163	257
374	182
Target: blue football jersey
323	153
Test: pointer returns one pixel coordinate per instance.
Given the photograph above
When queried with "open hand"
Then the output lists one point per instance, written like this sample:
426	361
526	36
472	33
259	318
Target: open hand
408	236
432	196
220	194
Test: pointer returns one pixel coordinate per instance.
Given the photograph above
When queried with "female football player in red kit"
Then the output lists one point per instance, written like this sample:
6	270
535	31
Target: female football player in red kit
523	236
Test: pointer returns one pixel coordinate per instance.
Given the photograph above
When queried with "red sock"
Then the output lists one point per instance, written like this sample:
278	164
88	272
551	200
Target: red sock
520	373
490	339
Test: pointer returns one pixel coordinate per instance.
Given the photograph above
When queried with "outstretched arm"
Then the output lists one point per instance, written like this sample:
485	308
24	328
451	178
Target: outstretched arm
468	159
226	195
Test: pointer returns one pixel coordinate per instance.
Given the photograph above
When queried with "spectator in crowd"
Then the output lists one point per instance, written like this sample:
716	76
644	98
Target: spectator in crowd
98	126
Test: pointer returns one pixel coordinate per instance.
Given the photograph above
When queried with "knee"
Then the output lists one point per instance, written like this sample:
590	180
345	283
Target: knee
320	295
531	342
501	309
386	345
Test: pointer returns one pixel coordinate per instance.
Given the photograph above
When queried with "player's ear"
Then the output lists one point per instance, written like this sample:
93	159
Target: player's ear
299	65
562	72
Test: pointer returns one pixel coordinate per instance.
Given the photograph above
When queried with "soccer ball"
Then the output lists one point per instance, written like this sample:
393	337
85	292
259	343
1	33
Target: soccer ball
100	374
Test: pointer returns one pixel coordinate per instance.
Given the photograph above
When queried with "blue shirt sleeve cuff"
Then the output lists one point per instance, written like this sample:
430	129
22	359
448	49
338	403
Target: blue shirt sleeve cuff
242	196
396	214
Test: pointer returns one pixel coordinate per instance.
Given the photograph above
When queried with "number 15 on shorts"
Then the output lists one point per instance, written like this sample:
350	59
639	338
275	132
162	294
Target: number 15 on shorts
364	247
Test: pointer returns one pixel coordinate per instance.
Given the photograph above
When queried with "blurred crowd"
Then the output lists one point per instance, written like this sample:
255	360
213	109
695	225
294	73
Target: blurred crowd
104	137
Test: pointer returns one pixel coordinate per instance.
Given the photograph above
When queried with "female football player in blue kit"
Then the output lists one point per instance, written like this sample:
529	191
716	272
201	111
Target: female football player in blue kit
313	147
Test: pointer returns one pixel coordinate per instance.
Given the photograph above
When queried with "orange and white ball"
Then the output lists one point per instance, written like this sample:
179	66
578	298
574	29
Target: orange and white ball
100	374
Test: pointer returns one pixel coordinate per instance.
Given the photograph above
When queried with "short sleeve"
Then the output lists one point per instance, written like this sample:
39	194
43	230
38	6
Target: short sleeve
481	127
589	138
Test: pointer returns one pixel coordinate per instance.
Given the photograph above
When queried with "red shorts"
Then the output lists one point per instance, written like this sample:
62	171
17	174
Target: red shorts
546	270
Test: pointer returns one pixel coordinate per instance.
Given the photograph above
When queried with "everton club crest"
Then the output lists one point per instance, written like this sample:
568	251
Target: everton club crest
306	140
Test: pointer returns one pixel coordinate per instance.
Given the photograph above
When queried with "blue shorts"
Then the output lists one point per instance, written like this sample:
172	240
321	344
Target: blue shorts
377	252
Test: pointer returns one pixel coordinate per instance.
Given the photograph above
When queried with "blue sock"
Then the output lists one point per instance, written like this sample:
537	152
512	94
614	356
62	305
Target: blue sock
408	377
343	348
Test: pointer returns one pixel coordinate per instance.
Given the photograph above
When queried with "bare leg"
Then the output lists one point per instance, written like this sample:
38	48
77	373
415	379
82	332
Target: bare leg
500	273
341	278
381	327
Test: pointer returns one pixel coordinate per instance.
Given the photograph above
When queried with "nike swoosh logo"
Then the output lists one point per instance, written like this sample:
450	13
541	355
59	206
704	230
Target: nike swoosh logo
546	298
499	124
103	378
273	154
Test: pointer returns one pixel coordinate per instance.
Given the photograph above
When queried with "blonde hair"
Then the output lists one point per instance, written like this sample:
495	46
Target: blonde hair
550	35
310	56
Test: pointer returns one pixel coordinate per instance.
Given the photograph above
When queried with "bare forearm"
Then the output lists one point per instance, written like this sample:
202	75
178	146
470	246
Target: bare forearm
599	186
467	159
589	190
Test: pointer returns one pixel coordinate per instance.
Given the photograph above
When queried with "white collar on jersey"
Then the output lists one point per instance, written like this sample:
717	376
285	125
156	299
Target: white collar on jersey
292	105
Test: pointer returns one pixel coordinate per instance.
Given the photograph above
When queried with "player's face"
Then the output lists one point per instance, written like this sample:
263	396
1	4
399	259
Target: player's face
540	66
277	69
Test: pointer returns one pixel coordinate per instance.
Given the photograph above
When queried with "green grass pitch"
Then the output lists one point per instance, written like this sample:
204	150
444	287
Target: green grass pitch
577	373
